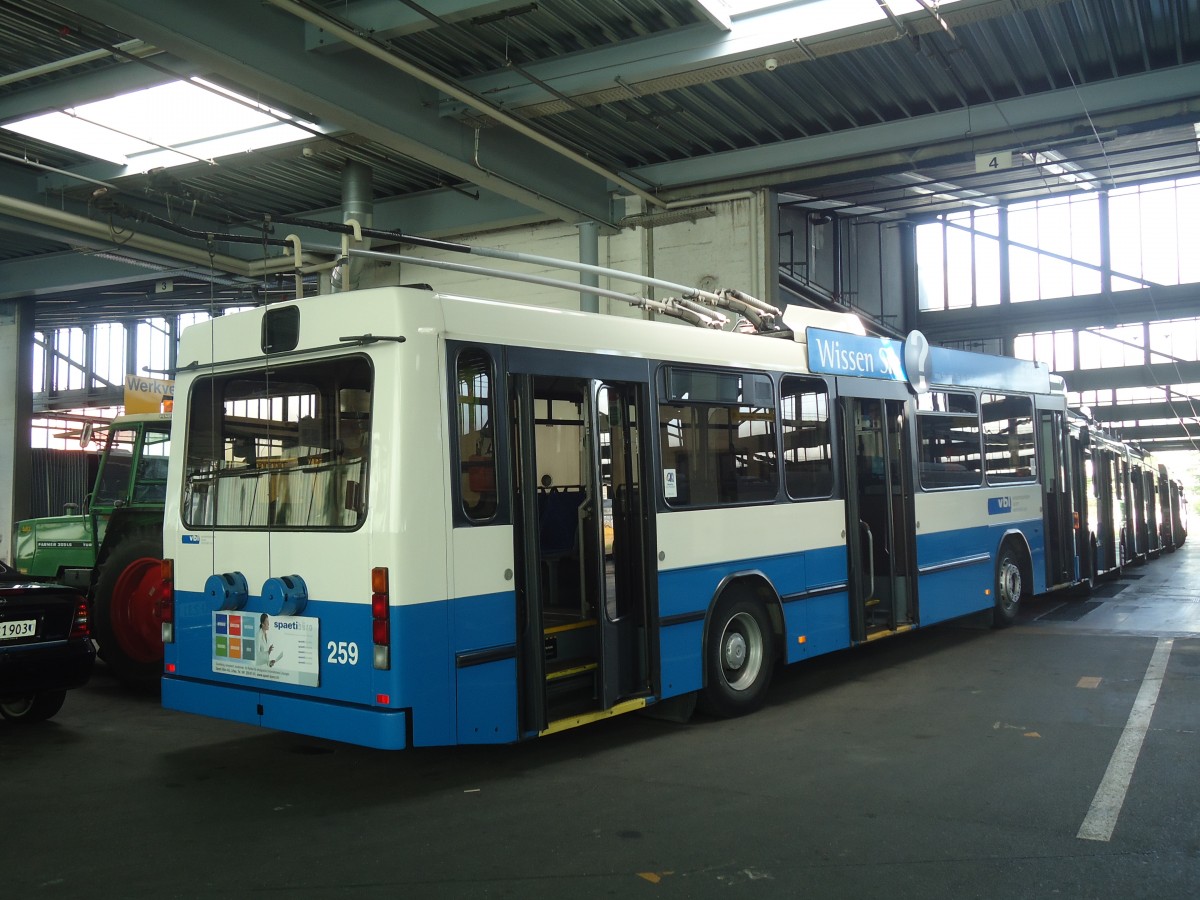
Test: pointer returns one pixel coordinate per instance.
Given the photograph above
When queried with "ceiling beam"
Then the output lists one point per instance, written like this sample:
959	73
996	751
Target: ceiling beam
261	49
1177	408
990	127
387	19
1170	445
1156	375
1009	320
87	87
794	32
1153	433
444	213
47	273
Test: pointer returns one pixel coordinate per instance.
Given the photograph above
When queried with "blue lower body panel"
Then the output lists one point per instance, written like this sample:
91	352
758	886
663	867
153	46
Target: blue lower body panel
370	727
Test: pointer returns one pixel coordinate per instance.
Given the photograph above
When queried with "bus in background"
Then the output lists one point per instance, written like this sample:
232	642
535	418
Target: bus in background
1102	478
399	518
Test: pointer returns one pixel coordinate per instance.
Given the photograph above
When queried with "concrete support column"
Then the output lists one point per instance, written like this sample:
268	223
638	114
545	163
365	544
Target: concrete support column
768	208
589	254
1007	344
910	288
1105	246
16	414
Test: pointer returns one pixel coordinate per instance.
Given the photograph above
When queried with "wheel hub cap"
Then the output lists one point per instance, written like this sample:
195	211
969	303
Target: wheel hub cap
735	651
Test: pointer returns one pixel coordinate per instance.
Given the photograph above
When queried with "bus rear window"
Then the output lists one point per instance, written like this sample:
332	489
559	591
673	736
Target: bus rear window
284	447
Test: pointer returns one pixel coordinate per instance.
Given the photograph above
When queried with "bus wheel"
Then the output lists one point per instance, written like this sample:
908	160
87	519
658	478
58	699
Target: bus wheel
1010	587
739	658
128	631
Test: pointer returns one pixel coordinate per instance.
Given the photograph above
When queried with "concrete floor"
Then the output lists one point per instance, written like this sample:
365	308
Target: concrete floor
955	762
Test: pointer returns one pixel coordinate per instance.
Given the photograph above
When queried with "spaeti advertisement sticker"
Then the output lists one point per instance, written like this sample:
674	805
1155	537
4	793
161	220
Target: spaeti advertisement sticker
283	649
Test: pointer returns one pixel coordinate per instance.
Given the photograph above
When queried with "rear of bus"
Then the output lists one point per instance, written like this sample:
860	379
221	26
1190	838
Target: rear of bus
304	528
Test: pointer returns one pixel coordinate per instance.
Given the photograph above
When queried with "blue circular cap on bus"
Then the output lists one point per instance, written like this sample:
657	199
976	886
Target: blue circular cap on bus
228	590
286	595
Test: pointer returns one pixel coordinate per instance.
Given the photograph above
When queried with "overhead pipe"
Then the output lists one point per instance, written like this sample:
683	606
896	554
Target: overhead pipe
135	47
33	212
42	167
679	308
332	26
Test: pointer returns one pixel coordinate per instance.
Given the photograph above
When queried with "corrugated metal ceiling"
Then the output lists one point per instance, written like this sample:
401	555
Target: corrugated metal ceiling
886	76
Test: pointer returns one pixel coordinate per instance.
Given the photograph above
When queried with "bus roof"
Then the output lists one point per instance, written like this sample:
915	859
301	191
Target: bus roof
368	316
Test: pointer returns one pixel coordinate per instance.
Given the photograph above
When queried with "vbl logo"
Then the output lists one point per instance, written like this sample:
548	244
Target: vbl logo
998	506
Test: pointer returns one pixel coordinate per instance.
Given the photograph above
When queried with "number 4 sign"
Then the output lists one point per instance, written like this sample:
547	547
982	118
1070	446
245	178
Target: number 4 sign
991	162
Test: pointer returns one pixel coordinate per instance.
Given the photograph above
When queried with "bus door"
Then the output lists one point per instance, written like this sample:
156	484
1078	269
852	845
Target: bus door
1057	511
879	526
582	537
1137	500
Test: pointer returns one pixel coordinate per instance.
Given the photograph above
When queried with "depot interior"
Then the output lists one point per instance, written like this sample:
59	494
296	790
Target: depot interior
1019	178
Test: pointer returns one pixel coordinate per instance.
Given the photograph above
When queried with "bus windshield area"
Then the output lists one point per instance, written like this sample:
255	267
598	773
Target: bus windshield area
279	447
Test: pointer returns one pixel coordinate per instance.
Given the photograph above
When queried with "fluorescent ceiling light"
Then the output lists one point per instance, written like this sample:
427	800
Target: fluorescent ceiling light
168	125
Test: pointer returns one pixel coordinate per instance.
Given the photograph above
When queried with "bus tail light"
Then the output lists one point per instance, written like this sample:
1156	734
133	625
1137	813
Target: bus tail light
164	604
381	618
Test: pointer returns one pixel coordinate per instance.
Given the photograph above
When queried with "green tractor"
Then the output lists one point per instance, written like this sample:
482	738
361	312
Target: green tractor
112	550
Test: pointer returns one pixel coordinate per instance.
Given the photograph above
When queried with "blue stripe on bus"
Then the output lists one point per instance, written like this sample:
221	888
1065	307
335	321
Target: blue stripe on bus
439	703
822	620
937	589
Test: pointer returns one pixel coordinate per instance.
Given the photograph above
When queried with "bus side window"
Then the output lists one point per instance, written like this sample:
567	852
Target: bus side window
807	450
476	451
719	431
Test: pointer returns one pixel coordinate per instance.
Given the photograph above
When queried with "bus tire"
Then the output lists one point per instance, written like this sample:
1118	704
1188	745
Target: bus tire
1010	586
33	708
128	632
739	658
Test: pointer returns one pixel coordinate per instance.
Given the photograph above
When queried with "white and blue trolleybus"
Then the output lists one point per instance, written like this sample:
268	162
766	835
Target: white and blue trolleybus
400	518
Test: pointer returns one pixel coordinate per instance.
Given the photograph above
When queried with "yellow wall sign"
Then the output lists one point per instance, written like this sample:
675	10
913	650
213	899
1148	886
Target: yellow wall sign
146	395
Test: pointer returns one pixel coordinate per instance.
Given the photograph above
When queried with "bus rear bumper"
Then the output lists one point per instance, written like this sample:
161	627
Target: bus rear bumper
366	726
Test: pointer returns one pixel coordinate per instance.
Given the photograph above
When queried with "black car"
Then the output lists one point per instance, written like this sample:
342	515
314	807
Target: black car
45	646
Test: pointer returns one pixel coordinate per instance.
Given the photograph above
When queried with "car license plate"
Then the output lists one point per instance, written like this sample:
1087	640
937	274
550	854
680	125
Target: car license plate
18	629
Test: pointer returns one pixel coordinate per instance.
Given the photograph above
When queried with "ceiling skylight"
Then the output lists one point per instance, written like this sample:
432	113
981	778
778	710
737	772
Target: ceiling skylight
852	11
168	125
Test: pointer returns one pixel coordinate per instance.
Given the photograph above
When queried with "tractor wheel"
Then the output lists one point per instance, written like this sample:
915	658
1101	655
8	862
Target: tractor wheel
128	625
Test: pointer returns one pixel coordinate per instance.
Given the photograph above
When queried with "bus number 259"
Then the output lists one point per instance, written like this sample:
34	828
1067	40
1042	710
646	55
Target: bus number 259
342	653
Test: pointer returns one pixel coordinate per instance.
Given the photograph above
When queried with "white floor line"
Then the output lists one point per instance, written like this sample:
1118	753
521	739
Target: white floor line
1101	819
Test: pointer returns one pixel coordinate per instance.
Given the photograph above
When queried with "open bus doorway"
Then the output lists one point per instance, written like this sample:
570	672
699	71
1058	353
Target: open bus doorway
581	532
878	512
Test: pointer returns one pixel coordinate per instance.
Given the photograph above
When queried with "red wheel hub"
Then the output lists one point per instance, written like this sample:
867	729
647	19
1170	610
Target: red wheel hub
136	620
